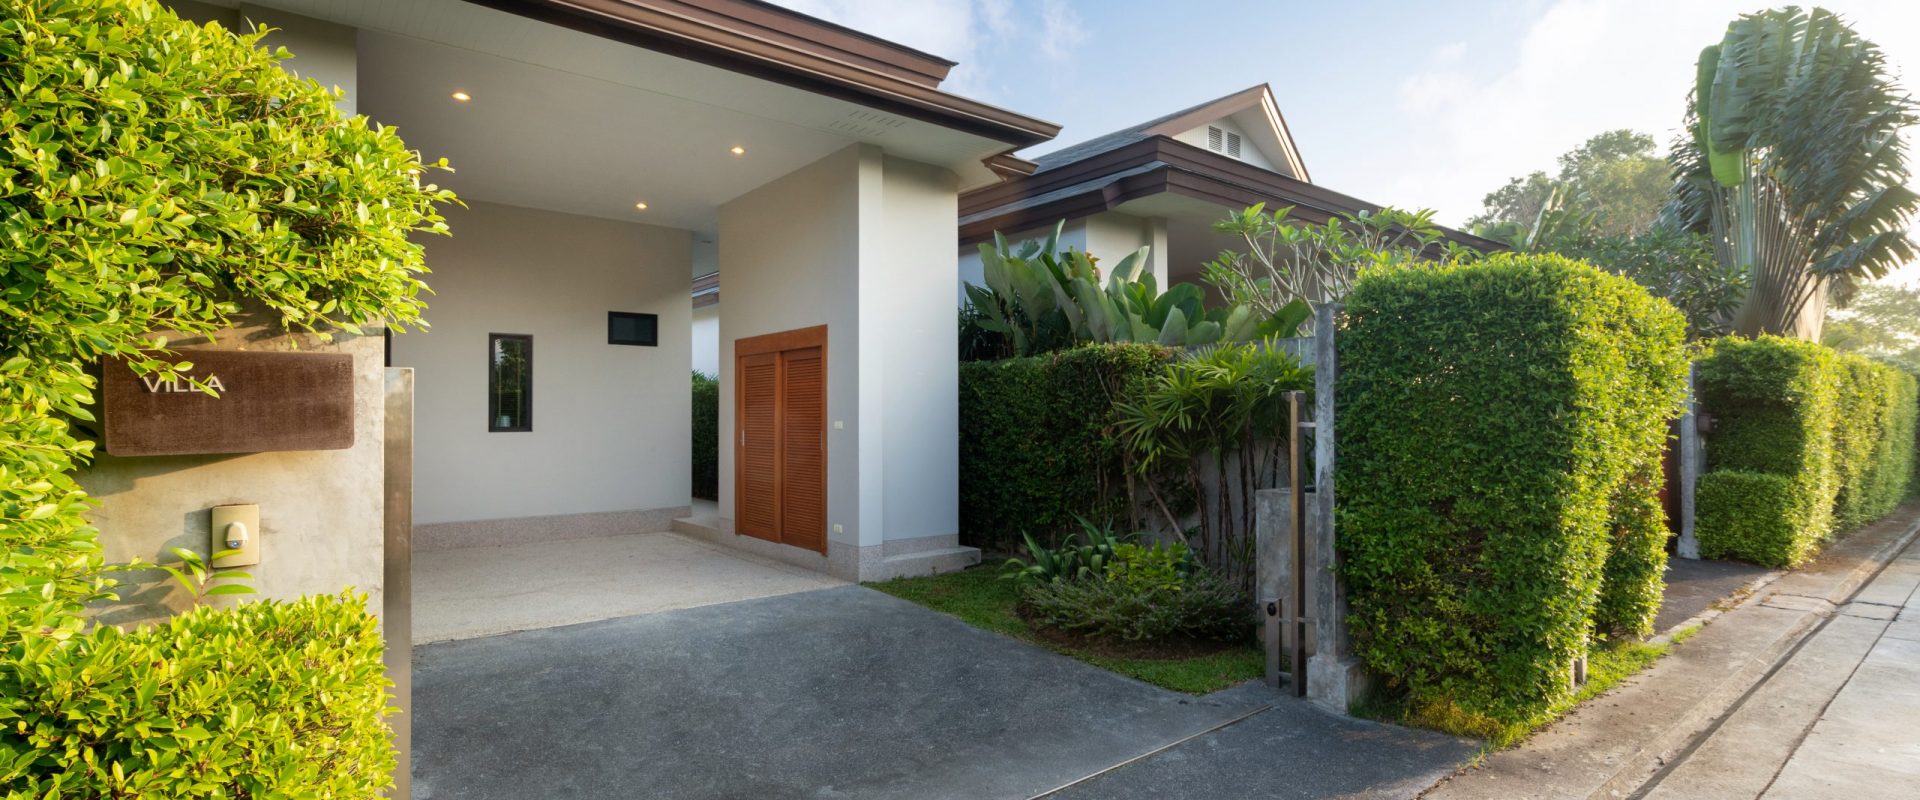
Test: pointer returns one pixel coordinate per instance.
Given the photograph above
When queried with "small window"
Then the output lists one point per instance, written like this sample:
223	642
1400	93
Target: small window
509	382
635	329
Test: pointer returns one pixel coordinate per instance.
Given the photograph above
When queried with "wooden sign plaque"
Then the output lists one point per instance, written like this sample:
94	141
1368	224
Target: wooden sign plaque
268	402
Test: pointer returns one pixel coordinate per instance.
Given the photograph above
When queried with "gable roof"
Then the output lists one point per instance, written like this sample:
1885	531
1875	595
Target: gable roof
1259	97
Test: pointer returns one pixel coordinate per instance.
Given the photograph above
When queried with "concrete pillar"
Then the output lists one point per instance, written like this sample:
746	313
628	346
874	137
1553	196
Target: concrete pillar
1692	462
1335	678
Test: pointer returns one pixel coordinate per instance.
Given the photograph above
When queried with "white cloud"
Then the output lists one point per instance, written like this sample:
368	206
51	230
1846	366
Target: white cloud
959	30
1582	67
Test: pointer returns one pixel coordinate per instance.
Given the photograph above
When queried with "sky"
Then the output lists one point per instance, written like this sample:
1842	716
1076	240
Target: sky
1408	103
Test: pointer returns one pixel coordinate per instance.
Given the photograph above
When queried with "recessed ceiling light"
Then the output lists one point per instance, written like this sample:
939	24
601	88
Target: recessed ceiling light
739	151
641	206
462	96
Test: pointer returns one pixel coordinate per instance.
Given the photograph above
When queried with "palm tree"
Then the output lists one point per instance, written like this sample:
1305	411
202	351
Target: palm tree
1795	167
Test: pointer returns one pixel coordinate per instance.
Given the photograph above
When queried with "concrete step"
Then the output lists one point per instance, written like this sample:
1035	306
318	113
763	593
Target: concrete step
925	562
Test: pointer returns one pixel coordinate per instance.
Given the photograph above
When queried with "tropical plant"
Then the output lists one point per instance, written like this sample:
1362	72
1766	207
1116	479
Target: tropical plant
1043	298
706	436
1564	218
1795	164
1676	265
1210	429
1199	606
1291	265
1074	558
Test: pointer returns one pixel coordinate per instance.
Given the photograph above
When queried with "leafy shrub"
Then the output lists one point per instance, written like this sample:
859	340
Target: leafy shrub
157	176
1210	429
1149	568
1074	558
1038	444
270	699
1836	428
1634	578
1755	516
1134	603
1492	415
706	436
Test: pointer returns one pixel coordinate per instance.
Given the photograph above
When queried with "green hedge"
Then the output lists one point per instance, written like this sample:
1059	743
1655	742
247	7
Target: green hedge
1756	516
1634	578
1494	418
270	699
1836	430
706	436
1038	443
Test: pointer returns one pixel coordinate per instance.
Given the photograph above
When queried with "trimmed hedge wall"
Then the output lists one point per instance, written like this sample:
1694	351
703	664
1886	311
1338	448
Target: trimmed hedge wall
706	436
1834	431
1038	442
1500	429
267	699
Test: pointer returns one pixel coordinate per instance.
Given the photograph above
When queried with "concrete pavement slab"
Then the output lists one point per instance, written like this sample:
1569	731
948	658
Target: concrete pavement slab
837	693
1294	750
481	591
1739	759
1864	746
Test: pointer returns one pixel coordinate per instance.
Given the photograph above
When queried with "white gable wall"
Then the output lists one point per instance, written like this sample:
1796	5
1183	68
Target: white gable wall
1249	151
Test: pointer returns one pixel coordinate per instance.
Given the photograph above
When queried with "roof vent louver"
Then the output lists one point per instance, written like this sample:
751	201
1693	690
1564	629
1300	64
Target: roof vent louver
1213	138
1233	145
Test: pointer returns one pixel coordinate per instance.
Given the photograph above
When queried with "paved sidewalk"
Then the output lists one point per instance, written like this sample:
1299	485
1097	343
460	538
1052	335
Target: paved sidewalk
1622	743
1836	719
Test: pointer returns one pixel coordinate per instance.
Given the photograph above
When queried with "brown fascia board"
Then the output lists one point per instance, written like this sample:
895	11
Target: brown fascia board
785	48
1186	170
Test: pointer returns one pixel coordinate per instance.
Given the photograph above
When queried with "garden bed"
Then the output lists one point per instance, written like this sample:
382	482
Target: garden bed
979	597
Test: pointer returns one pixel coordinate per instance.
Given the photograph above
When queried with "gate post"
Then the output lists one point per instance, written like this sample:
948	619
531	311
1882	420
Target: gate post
1692	459
1335	678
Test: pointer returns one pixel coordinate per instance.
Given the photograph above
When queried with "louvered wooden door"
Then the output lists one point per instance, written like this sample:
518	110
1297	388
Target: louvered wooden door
781	451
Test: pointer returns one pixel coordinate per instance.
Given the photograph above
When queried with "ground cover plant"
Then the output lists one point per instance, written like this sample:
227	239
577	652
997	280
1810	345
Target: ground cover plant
157	177
1494	418
982	597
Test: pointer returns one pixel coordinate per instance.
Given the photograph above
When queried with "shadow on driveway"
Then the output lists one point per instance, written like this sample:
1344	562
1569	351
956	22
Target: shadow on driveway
841	692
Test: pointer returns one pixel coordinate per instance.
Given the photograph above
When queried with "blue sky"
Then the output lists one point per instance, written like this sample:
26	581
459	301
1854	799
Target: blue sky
1414	104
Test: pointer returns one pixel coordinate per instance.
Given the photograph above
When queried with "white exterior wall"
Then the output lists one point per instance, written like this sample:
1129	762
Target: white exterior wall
1249	152
610	422
912	367
859	243
706	339
789	257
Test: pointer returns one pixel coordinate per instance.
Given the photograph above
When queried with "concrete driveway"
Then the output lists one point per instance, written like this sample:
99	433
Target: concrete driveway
849	693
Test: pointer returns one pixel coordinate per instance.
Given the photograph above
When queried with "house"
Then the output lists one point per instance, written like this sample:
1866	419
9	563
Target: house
1162	184
606	150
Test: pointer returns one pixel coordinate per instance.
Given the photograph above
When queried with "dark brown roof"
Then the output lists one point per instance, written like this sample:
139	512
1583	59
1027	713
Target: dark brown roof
1146	167
786	47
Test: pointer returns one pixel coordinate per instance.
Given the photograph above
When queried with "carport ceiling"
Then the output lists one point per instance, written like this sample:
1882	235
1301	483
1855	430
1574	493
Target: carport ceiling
572	122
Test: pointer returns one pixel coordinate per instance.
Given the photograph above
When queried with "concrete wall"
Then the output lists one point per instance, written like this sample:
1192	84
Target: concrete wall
789	257
706	339
909	347
321	511
860	243
610	422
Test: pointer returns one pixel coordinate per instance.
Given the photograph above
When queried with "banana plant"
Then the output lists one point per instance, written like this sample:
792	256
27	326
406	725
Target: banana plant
1043	298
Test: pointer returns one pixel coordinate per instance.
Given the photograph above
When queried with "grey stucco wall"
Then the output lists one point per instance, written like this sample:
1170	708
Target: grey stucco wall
320	511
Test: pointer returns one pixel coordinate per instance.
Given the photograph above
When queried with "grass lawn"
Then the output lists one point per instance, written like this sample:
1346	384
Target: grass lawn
980	598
